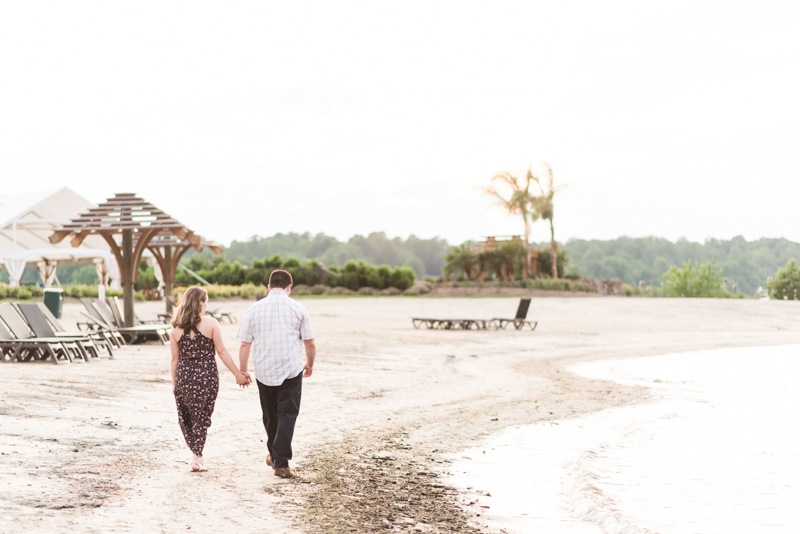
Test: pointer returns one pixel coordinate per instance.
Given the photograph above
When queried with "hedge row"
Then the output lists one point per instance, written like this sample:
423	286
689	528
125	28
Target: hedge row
549	284
20	292
252	290
70	290
352	276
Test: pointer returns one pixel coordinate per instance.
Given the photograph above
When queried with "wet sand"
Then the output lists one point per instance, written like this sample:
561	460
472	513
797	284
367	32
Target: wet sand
96	447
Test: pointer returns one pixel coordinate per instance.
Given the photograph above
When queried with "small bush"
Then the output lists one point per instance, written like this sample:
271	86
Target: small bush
251	290
366	291
301	289
693	280
319	289
341	291
391	291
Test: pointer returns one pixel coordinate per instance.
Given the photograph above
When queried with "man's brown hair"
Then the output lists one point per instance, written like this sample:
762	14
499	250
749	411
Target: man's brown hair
280	279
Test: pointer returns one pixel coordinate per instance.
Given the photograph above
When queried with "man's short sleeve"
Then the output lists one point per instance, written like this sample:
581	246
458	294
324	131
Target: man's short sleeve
306	332
246	330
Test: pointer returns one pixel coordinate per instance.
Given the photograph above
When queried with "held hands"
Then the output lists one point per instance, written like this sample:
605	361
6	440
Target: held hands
243	379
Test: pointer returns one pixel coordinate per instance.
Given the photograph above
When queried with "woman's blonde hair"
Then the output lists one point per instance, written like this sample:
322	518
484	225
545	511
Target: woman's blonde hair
188	314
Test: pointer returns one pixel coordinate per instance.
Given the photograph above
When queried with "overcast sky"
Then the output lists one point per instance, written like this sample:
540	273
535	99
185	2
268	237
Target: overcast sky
244	118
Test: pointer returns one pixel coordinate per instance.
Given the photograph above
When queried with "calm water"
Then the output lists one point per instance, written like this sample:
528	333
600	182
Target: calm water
718	450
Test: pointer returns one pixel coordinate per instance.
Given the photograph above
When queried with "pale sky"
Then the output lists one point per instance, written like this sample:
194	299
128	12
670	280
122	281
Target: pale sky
244	118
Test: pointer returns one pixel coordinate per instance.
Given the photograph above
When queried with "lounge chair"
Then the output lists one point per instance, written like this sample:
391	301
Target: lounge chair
41	326
479	324
10	347
60	350
519	321
219	315
139	332
101	316
452	324
97	323
101	338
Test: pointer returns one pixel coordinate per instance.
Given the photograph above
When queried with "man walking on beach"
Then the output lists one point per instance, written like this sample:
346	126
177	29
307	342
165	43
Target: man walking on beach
275	329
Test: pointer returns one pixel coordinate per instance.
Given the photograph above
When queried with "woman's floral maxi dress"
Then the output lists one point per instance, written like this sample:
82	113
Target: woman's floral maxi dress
196	387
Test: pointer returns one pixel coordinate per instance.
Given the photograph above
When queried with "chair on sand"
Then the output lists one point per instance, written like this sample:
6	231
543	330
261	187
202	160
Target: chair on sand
101	338
520	320
142	332
219	315
452	324
40	324
10	347
98	323
479	324
60	350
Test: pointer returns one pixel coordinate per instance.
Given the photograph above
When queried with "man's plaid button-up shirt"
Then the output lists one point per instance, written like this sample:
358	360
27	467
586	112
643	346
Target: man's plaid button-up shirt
276	326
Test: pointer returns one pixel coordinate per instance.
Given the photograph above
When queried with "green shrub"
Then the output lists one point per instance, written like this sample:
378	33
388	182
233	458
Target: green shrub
231	274
379	277
403	278
146	277
786	285
251	290
20	292
319	289
699	281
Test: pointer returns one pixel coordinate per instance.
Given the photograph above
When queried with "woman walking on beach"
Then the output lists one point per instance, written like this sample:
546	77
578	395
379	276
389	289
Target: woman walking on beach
195	379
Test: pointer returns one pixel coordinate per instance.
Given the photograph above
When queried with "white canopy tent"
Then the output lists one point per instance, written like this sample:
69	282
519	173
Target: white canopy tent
26	223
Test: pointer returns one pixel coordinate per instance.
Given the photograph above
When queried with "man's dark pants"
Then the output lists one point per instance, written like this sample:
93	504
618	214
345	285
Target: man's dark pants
280	406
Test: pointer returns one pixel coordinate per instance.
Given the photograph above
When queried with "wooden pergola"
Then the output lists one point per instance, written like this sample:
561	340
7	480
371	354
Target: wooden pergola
168	249
138	222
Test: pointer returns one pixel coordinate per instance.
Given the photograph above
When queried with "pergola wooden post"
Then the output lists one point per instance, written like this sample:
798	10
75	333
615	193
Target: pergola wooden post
169	278
138	221
127	275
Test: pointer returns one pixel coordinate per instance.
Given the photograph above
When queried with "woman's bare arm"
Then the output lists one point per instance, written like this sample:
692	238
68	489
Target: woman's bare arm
173	346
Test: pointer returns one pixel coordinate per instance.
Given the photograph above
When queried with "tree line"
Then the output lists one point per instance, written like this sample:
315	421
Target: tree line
747	264
424	256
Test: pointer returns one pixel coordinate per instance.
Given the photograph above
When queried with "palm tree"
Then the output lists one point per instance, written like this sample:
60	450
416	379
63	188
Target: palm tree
519	201
462	259
543	209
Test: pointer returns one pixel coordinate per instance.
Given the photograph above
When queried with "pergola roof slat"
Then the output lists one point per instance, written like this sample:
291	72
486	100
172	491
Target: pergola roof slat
120	225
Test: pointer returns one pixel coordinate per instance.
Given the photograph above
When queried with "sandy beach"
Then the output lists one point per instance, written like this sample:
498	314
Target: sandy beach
96	447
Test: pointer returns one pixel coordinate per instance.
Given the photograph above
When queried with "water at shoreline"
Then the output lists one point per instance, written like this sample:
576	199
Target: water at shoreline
717	451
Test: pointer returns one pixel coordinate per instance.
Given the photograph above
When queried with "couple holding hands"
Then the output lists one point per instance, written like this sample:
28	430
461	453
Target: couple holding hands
274	332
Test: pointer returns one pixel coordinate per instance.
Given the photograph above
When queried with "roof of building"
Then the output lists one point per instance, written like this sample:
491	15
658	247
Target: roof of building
28	219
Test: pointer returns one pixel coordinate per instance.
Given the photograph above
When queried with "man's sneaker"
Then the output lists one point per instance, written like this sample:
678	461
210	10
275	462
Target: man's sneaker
284	472
270	462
